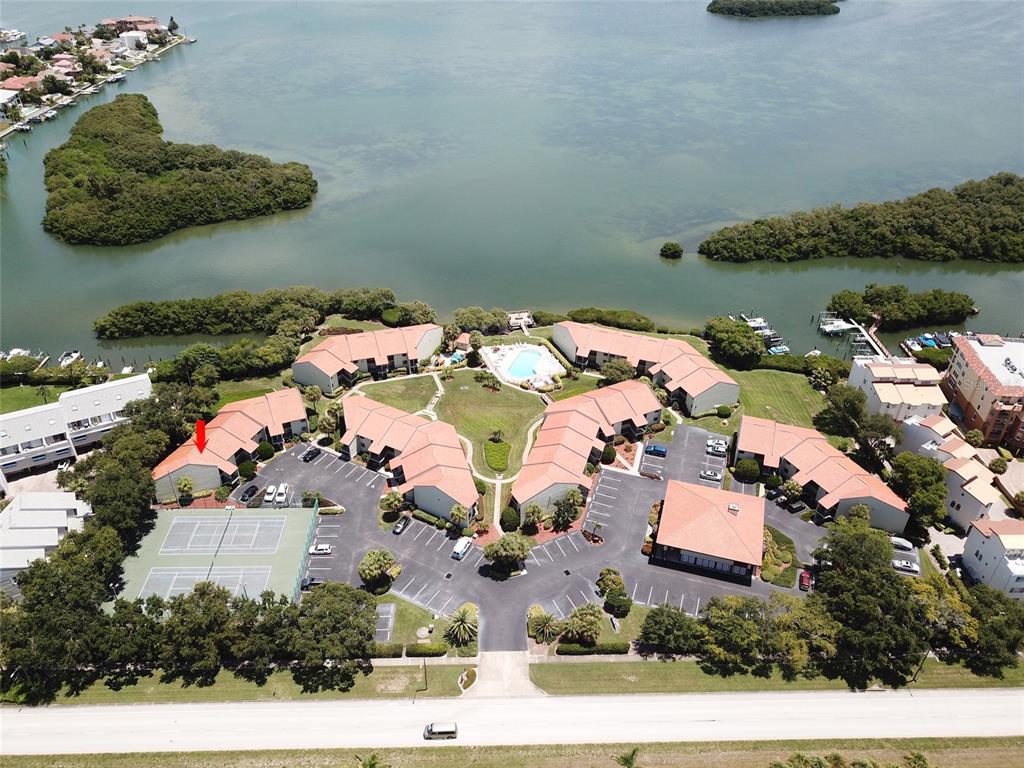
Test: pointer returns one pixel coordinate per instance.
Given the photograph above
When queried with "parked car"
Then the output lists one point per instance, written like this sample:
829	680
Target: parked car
901	544
271	491
805	580
772	493
796	506
248	493
311	581
715	450
650	475
311	454
710	474
906	566
282	494
400	525
461	547
656	450
321	549
781	499
719	441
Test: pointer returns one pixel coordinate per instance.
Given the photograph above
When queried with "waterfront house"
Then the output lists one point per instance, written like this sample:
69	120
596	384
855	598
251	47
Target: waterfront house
133	40
233	437
690	379
832	482
45	435
32	526
897	387
424	457
710	531
337	361
23	83
128	23
9	100
573	434
994	555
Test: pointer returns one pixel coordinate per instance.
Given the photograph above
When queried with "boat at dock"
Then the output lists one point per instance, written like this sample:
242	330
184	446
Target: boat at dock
23	127
11	35
68	357
50	114
119	77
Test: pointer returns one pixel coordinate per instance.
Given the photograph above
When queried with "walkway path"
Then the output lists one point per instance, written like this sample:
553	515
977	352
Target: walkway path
503	674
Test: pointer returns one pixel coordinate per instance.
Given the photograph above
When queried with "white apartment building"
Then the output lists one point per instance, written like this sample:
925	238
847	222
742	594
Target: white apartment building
46	435
899	387
994	555
31	527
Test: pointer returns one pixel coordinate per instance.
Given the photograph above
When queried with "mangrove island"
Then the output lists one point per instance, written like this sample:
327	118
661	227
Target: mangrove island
761	8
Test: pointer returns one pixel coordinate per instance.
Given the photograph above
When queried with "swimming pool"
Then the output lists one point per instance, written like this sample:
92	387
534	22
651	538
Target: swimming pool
524	364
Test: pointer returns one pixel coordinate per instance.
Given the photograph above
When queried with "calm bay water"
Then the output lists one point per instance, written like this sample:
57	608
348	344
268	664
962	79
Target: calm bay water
537	155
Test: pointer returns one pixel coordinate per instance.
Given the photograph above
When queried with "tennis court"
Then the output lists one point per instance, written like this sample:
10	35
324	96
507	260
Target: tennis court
168	582
246	551
243	534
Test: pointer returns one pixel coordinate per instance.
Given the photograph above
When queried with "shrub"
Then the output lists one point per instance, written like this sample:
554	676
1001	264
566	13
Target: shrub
387	650
265	450
543	317
426	517
616	318
940	557
419	650
772	481
247	470
509	520
611	648
617	603
496	455
481	486
723	411
998	465
747	470
608	454
671	250
222	493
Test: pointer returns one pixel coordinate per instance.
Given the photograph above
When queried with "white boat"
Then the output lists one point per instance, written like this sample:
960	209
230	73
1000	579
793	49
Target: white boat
11	35
192	40
116	78
50	114
813	353
128	369
23	127
67	358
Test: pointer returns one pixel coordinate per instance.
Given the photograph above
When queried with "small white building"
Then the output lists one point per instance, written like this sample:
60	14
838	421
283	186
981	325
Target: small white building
9	100
899	387
994	555
131	39
31	527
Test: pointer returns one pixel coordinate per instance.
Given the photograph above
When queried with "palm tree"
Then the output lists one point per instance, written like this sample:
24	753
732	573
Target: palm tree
628	759
372	761
463	627
44	392
497	436
546	628
391	501
458	514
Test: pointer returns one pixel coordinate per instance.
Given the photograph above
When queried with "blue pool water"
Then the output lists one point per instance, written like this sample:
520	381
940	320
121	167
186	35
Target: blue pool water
523	366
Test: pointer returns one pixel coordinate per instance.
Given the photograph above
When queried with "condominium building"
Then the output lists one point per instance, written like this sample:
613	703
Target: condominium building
994	555
31	527
690	378
338	360
898	387
46	435
985	382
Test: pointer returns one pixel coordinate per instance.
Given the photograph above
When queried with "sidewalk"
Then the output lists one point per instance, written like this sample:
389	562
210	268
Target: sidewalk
504	674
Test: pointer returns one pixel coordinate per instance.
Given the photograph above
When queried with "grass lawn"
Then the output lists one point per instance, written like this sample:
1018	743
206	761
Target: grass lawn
476	412
382	683
571	388
927	566
496	455
629	627
233	391
686	677
784	397
782	551
996	752
409	618
406	394
16	398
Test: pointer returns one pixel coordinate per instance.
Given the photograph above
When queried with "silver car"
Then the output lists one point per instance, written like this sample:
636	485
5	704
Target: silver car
906	566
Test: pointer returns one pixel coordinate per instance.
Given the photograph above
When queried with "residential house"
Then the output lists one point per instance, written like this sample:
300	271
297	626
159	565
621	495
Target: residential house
462	342
898	387
425	458
128	23
133	40
573	434
6	69
233	437
708	530
62	38
338	360
985	383
520	318
994	555
9	100
832	482
689	377
45	435
31	527
23	83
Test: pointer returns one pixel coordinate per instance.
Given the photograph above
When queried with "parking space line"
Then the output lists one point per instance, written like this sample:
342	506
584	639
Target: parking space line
599	493
633	597
326	535
665	601
478	560
586	598
534	557
560	548
602	514
441	609
354	467
609	478
436	593
443	542
432	536
411	581
561	613
311	568
421	531
569	539
317	462
418	593
373	479
341	466
602	504
649	594
570	600
544	549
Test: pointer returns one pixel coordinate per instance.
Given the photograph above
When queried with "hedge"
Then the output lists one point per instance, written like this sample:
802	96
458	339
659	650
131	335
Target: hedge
426	649
510	520
387	650
614	647
616	318
425	517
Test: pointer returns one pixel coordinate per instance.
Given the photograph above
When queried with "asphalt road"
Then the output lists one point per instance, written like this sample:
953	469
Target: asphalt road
493	721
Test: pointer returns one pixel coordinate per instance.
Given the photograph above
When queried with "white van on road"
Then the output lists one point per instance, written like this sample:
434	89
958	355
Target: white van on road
441	731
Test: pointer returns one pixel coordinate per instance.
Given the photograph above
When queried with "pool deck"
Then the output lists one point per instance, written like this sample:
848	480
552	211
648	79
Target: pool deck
544	369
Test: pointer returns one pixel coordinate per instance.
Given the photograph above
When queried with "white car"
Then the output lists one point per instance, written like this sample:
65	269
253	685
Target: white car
710	474
268	497
717	441
715	450
321	549
902	544
282	494
906	565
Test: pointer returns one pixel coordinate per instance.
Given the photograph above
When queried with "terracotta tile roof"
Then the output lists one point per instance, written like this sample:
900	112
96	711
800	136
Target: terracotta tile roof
573	427
429	453
683	366
339	353
234	428
975	479
712	522
815	460
910	394
1009	532
965	346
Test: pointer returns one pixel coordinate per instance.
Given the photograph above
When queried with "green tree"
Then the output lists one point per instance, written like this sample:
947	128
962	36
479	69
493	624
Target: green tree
617	603
671	632
313	394
1000	632
608	454
265	450
458	514
583	625
998	465
975	438
172	26
184	486
844	410
206	375
391	501
415	313
615	371
544	627
334	637
737	637
374	566
947	617
265	633
849	305
921	481
799	636
44	393
508	551
747	470
609	579
135	638
198	635
463	626
567	510
671	251
791	489
629	759
533	516
733	342
877	434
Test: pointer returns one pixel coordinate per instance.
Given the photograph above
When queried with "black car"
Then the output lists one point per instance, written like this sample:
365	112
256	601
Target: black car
248	493
771	493
311	454
400	525
311	581
797	506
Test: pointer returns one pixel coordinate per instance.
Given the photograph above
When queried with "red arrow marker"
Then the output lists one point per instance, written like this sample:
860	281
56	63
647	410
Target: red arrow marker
201	435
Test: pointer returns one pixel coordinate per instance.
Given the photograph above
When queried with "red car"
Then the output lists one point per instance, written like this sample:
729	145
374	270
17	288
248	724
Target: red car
805	580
